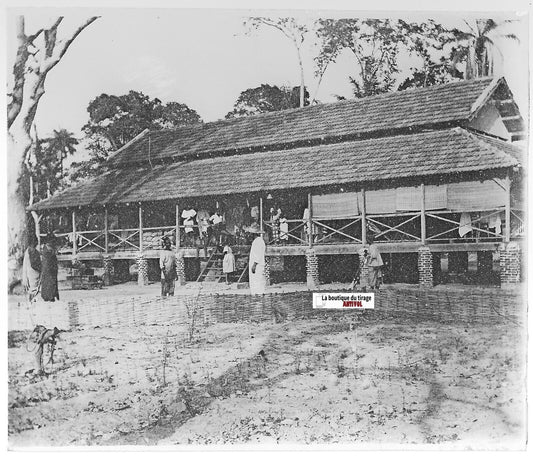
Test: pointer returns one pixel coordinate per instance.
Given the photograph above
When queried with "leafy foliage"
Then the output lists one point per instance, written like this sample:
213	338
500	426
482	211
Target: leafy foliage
374	44
119	119
46	170
266	98
477	48
433	45
116	120
295	31
444	54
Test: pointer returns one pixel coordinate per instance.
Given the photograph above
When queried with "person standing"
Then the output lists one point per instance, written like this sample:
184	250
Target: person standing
283	230
275	216
167	263
228	263
256	267
375	263
217	223
49	288
188	215
31	270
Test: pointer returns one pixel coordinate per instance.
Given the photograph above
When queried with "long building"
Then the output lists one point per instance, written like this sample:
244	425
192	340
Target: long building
432	173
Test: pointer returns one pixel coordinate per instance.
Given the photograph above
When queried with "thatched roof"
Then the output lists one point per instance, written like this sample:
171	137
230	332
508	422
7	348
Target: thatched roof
373	160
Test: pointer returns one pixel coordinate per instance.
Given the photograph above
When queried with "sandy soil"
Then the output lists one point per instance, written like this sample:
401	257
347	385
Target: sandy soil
334	380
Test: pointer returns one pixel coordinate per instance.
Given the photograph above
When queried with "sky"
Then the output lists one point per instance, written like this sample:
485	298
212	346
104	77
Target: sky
203	58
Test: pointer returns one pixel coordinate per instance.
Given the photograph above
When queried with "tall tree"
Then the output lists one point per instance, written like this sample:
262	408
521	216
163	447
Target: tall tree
477	47
266	98
114	120
294	31
373	43
431	47
61	144
44	174
37	54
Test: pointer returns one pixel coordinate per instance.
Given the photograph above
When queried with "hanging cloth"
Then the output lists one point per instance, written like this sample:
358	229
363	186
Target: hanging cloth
283	229
188	216
465	224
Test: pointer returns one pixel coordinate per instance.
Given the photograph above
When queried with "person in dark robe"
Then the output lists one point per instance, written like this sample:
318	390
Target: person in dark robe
167	264
49	288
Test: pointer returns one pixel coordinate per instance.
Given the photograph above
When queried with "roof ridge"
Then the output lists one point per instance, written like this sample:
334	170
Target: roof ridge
129	143
486	94
487	145
342	102
332	120
430	152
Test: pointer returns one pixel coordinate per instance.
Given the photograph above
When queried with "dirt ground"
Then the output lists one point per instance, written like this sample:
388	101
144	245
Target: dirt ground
315	381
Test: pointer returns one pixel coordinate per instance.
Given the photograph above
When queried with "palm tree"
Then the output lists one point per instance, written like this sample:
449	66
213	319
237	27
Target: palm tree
62	143
477	47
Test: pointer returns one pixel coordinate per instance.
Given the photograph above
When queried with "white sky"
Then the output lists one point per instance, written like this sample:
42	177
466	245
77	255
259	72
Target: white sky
199	57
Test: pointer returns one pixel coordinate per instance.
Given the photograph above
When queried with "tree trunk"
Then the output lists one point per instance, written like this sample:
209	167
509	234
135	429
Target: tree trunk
29	72
19	149
302	82
18	146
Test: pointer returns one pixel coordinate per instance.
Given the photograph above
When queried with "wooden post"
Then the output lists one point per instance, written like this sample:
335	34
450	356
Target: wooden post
507	209
140	227
310	218
74	240
106	230
422	213
363	217
177	227
261	213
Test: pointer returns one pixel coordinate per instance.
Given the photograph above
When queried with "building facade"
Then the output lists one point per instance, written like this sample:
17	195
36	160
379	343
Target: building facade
431	173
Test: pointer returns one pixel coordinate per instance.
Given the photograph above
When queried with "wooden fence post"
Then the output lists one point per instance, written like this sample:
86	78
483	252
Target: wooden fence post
363	217
140	227
422	213
106	230
310	218
261	214
74	240
178	241
507	209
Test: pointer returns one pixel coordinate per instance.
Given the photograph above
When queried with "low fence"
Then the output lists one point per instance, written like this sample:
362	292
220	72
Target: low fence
476	306
412	304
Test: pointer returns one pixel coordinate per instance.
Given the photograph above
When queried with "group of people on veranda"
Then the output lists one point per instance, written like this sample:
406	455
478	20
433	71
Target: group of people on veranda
256	270
39	270
40	267
369	277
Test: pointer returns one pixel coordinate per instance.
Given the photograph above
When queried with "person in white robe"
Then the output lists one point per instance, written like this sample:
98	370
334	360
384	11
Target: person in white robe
256	267
31	271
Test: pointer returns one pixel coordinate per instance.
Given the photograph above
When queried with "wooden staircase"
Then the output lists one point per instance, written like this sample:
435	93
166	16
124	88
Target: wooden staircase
212	271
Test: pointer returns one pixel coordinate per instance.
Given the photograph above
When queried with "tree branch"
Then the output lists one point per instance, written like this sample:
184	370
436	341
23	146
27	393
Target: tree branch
62	47
50	37
33	37
17	95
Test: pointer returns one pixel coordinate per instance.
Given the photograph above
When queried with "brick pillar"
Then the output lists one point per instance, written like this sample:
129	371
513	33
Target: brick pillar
425	267
109	271
142	269
266	272
313	280
509	265
180	268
